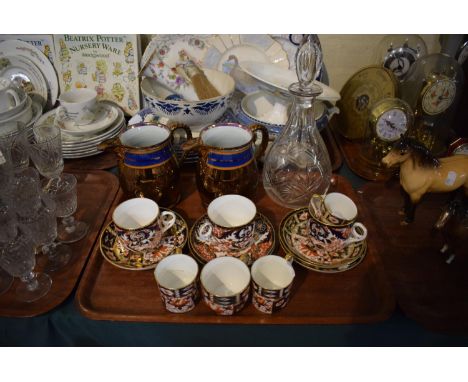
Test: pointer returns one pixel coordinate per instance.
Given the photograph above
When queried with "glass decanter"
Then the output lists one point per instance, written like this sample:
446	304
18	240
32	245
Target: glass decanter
298	164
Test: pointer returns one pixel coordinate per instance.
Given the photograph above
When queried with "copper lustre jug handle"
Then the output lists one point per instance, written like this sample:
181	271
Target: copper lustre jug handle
188	134
260	150
192	144
110	144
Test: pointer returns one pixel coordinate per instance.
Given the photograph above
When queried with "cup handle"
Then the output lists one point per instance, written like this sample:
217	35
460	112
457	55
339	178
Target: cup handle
192	144
111	144
317	208
167	224
188	133
356	236
246	258
289	258
205	226
260	150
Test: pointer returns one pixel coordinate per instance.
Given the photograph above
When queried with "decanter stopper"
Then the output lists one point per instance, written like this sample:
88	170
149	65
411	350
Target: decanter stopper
308	65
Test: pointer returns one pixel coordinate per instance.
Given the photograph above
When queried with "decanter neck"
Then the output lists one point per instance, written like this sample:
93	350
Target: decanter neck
302	112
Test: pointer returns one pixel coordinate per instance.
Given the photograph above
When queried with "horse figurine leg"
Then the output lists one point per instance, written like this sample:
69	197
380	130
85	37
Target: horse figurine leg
409	208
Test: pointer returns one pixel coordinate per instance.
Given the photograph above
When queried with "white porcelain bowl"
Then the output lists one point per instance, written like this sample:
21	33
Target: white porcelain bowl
270	77
23	115
272	111
192	113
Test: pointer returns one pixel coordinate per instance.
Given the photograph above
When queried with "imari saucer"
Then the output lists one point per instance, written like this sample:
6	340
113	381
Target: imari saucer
172	242
206	250
295	239
337	269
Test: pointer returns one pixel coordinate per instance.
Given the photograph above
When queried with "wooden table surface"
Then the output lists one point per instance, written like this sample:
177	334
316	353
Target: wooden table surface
428	290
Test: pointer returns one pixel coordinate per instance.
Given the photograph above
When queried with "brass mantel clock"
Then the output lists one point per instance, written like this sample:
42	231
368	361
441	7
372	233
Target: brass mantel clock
366	87
389	119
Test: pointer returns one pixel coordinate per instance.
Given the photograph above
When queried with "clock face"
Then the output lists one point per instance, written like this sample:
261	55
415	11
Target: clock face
391	124
438	97
400	60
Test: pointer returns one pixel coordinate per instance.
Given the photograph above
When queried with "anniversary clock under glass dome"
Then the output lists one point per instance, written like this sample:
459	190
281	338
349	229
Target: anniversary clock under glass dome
398	52
432	88
388	120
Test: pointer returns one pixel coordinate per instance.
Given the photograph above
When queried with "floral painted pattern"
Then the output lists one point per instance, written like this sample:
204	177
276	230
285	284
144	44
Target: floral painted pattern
268	305
225	309
205	250
270	301
179	301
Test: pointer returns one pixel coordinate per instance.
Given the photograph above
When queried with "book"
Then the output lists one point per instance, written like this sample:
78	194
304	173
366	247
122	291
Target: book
107	63
43	42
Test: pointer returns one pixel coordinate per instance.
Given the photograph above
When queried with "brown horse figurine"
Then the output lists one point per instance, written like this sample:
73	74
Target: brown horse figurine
421	172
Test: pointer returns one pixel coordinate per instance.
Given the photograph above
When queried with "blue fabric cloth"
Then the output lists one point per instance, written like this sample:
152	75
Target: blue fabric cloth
64	326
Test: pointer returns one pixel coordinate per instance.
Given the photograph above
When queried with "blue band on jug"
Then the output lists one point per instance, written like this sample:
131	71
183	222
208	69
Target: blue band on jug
228	161
151	159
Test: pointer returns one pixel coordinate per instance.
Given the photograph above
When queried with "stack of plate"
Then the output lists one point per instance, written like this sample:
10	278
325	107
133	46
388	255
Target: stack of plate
295	241
27	67
80	141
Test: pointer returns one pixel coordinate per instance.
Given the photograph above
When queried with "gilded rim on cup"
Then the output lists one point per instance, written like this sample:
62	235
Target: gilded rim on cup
342	225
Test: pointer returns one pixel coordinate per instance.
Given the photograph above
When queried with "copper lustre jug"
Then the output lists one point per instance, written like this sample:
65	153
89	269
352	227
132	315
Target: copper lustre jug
148	165
227	159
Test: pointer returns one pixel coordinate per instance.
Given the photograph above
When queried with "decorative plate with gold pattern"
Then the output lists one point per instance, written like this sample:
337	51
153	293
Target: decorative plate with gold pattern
363	89
172	242
295	240
337	269
264	242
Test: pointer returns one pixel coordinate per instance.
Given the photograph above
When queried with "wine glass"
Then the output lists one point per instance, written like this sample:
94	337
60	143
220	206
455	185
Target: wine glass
63	191
36	212
26	194
45	149
13	146
17	257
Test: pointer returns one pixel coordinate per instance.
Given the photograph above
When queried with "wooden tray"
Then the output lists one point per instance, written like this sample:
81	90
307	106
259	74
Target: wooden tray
336	157
428	290
360	295
96	192
102	161
351	151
